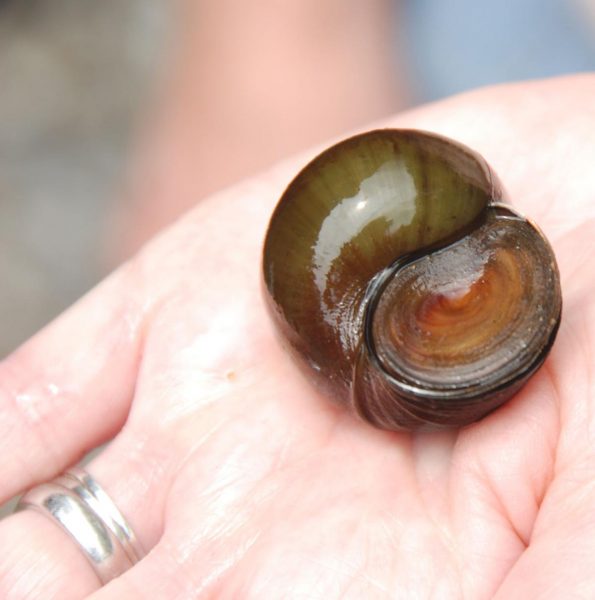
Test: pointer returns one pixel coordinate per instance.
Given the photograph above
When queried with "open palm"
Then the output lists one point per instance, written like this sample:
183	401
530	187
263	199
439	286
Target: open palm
243	482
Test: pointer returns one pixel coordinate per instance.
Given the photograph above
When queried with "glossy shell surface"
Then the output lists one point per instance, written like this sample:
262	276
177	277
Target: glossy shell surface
403	283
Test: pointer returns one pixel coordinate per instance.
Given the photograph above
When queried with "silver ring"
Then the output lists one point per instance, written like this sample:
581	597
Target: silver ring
89	516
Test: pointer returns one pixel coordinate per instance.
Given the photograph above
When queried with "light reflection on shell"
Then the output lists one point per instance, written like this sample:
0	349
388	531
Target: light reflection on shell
405	286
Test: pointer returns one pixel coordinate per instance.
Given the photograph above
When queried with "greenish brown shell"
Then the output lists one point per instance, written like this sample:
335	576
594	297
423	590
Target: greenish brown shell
403	283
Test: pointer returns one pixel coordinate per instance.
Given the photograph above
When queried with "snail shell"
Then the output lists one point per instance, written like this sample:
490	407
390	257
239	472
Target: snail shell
403	283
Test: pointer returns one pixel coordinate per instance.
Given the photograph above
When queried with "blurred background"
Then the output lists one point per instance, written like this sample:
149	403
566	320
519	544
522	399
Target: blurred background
115	116
73	76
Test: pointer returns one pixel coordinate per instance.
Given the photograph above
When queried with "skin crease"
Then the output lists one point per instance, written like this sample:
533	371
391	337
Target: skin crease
245	483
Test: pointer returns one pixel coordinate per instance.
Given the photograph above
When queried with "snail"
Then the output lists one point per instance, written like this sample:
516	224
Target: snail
404	283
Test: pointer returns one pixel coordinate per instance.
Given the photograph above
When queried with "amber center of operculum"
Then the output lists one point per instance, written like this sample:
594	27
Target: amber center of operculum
470	313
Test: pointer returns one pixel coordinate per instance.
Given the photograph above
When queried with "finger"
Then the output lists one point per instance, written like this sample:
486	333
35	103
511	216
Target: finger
69	388
38	560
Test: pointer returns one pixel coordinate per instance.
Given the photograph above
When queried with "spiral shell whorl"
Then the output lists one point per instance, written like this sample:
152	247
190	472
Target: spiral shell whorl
336	241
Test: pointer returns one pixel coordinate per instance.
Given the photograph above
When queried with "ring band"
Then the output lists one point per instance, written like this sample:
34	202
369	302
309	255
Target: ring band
89	516
84	486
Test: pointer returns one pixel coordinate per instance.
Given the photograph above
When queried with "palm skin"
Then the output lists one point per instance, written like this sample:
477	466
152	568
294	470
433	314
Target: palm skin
244	482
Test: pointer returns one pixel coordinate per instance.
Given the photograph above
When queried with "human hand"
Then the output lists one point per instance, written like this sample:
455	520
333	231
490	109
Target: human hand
243	482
